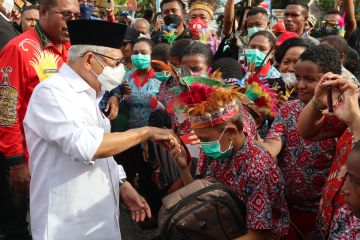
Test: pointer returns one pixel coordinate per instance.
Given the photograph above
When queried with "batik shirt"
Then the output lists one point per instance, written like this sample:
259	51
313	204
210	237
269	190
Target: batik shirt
305	164
332	197
254	176
345	226
143	98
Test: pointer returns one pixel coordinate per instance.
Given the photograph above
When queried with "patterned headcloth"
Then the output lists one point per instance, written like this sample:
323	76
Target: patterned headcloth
209	106
207	5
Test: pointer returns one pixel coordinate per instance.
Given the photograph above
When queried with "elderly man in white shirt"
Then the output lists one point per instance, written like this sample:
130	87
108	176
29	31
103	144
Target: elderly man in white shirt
75	182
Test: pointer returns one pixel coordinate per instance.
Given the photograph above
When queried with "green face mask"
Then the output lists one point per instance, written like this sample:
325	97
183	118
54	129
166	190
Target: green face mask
256	57
253	30
141	61
162	76
213	149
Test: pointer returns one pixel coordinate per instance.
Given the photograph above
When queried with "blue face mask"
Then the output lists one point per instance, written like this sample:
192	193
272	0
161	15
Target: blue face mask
253	30
85	10
256	57
213	149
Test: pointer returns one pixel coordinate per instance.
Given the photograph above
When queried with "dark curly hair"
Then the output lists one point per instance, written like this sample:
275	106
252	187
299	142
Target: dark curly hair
326	57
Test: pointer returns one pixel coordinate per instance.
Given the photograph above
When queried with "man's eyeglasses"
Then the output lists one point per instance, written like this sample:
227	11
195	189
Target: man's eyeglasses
117	61
68	15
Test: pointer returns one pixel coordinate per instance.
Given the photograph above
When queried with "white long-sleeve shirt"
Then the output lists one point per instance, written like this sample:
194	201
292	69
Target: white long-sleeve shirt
71	196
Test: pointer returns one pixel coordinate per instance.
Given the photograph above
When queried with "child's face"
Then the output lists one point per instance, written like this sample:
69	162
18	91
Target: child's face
197	63
351	188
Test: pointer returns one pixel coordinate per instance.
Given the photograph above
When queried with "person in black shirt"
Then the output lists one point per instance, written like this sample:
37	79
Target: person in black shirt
7	29
173	12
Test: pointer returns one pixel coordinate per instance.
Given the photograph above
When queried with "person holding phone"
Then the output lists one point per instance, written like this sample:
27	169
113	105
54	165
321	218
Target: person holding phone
305	164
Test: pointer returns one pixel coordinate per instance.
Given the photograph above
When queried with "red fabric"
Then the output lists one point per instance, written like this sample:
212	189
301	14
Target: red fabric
19	54
332	197
279	27
285	36
253	174
345	226
137	80
264	70
304	222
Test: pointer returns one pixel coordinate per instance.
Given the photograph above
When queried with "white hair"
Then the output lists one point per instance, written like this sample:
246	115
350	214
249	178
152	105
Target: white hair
77	51
140	19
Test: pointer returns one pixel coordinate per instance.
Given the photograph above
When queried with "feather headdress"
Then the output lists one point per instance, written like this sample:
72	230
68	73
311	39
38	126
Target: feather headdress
208	106
262	95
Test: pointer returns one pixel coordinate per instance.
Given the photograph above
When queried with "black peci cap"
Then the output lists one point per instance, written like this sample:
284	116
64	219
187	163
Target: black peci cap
97	33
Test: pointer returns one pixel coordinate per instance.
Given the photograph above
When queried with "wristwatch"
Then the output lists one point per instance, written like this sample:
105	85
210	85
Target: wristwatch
123	180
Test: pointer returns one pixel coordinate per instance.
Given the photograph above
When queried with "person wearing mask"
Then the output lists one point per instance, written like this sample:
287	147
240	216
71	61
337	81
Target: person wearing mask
229	156
286	56
340	44
295	19
25	61
80	197
304	164
200	15
173	12
259	52
257	20
142	26
7	29
29	17
86	8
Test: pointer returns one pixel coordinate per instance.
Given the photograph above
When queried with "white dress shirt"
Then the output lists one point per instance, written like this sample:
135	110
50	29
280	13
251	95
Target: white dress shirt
71	196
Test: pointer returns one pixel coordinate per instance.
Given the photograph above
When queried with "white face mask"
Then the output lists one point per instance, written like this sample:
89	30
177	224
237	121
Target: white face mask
8	5
289	79
110	77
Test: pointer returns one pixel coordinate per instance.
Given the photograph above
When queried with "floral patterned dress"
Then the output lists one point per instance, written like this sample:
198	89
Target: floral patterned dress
345	225
304	164
253	175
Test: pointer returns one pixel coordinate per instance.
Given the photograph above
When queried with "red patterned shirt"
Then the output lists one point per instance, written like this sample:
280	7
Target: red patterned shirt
305	164
332	198
253	175
345	226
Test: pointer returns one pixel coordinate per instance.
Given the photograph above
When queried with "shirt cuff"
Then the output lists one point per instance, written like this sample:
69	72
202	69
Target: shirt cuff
122	173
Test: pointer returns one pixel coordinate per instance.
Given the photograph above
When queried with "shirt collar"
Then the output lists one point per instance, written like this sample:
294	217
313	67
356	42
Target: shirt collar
74	79
44	40
4	17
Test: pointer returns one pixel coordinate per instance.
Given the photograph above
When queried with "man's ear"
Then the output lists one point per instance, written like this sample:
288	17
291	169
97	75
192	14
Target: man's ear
87	59
43	10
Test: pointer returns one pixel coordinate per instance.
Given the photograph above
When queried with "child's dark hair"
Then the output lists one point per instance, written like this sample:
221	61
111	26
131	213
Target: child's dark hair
161	52
177	49
146	40
326	57
199	48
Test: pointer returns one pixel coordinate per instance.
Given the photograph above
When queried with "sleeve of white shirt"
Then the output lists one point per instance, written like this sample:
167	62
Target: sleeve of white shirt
52	115
122	173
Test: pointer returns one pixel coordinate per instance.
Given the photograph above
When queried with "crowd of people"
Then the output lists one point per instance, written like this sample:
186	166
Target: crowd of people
100	110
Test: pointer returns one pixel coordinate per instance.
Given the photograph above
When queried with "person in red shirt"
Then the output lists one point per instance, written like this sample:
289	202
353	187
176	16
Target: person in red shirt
25	61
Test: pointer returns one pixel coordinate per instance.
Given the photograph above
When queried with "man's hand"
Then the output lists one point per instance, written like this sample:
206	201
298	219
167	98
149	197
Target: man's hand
125	88
137	205
194	139
20	179
112	107
164	137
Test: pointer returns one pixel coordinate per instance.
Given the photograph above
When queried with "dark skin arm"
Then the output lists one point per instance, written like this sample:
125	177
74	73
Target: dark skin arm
229	16
350	21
